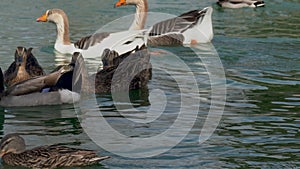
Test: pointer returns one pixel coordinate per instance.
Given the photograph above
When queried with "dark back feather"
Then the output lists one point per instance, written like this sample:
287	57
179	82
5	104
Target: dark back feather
178	24
1	82
10	73
129	71
32	65
91	40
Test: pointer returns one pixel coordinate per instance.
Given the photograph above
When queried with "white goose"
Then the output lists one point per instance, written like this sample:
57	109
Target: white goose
189	28
93	45
241	3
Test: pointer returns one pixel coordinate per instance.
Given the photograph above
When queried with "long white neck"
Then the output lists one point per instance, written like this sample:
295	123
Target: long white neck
140	16
62	28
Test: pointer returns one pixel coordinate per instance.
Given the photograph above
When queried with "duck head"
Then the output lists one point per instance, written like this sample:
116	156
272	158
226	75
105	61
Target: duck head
21	55
12	143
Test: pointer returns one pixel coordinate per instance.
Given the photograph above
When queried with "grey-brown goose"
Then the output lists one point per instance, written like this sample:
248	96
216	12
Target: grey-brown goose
90	46
189	28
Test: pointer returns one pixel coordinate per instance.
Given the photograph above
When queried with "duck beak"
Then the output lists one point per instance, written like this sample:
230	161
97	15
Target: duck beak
42	18
19	60
120	3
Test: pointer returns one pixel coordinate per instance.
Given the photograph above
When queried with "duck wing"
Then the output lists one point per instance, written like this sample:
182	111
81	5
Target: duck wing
32	65
1	82
128	71
10	73
36	84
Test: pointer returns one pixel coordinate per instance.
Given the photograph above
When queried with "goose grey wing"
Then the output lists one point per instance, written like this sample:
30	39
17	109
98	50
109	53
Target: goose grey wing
88	41
178	24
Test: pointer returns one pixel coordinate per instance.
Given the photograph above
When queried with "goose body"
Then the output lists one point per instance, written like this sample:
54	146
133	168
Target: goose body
189	28
13	153
24	67
90	46
241	3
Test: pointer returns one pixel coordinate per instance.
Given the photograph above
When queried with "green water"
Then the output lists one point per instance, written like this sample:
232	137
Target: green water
259	50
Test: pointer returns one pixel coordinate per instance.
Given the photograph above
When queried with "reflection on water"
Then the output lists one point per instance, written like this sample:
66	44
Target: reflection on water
259	49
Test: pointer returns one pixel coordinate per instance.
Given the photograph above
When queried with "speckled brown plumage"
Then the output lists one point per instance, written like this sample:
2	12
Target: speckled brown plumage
13	153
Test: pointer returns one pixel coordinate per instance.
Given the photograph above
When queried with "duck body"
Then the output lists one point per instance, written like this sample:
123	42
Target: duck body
24	67
62	96
189	28
54	156
52	89
125	72
240	3
129	71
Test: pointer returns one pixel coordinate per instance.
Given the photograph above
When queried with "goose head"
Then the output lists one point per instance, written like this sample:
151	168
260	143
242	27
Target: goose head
12	143
58	17
53	15
130	2
141	12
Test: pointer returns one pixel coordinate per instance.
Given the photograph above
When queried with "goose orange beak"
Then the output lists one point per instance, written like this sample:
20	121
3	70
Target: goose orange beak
120	3
42	18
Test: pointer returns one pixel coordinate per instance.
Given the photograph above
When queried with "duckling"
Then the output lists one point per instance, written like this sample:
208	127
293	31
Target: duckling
24	67
241	3
13	152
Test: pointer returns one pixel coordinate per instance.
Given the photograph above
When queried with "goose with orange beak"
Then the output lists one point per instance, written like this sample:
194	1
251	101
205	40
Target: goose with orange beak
189	28
93	45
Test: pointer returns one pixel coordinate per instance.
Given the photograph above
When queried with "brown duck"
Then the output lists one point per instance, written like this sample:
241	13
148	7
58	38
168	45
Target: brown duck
52	89
13	152
24	67
129	71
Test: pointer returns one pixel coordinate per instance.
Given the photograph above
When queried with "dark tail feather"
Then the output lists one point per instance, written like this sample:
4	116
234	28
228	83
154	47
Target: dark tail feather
259	4
1	81
98	159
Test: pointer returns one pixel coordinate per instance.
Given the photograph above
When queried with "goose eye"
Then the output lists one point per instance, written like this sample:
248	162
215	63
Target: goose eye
49	13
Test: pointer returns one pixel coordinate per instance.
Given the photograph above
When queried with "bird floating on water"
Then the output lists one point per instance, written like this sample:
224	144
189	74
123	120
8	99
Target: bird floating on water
13	152
241	3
